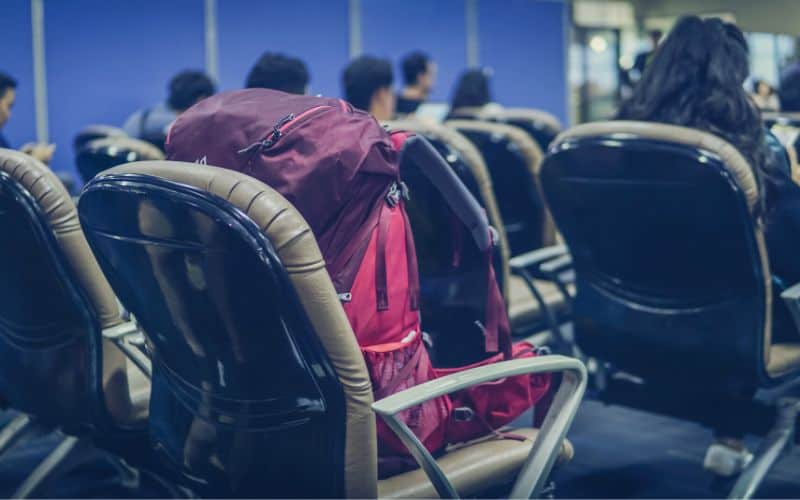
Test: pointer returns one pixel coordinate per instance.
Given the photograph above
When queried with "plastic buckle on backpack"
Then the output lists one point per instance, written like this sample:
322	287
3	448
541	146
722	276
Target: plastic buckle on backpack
393	196
463	414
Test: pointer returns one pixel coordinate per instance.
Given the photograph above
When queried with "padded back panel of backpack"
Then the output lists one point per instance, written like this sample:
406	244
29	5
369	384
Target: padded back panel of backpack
453	278
462	170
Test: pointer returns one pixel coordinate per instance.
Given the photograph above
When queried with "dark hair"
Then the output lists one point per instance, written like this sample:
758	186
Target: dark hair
472	90
655	35
6	82
278	72
363	77
696	79
789	91
414	64
188	87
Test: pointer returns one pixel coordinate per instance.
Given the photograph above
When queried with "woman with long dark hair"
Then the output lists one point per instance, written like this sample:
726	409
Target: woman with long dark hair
696	79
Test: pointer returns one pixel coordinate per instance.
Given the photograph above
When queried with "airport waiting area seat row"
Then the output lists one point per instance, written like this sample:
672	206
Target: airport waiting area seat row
659	264
174	248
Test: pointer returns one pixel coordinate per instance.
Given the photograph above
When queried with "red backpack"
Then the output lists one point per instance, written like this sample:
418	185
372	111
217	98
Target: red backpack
340	169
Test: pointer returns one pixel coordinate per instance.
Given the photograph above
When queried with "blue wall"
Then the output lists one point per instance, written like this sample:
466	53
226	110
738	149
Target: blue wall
524	42
392	28
313	30
107	59
17	60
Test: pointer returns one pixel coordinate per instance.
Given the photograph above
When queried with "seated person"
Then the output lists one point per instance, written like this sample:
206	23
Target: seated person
8	94
419	75
185	89
472	93
789	133
367	83
764	96
279	72
696	80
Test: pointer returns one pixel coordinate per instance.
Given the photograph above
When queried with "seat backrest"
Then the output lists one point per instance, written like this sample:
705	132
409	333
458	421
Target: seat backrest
467	162
671	270
54	302
254	361
540	125
92	132
106	152
513	160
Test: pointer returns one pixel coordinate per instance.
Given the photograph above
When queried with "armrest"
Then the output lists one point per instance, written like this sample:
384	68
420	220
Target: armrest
547	445
130	340
537	257
555	267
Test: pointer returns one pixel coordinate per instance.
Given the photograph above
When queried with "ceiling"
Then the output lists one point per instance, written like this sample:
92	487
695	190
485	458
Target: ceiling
767	16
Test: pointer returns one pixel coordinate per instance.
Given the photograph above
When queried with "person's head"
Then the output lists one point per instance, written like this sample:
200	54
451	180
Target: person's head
789	91
278	72
419	71
367	85
655	37
188	88
8	95
472	90
762	88
696	79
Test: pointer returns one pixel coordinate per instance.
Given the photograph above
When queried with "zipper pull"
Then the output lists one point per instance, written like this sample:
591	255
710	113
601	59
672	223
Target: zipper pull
271	139
276	130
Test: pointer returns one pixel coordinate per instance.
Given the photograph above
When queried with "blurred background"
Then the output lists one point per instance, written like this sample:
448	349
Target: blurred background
97	61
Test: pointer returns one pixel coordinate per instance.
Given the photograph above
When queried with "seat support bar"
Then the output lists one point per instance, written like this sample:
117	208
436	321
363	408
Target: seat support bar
776	442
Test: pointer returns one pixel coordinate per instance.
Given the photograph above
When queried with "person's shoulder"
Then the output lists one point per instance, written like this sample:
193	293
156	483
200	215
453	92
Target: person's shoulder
131	125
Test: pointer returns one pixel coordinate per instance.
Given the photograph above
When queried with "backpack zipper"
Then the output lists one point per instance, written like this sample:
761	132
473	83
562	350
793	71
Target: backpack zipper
279	129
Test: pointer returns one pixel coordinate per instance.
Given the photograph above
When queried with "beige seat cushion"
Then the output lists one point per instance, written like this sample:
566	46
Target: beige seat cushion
139	386
524	309
783	359
471	468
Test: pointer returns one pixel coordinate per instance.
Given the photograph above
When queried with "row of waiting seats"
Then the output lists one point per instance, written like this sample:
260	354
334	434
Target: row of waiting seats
512	140
211	261
658	261
666	278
